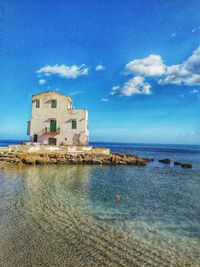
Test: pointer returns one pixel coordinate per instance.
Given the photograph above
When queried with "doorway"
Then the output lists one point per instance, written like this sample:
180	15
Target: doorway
52	141
53	126
35	138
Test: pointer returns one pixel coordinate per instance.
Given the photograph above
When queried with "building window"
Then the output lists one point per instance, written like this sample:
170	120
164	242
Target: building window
74	124
37	103
54	103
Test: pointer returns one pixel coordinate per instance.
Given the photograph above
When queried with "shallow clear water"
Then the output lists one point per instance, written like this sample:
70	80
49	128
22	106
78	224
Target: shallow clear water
68	216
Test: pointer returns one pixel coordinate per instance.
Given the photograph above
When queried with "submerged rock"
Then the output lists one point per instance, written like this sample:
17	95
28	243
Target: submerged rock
148	159
186	165
177	163
165	161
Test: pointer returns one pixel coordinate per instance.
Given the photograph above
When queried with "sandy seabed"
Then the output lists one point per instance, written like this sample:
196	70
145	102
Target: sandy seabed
37	229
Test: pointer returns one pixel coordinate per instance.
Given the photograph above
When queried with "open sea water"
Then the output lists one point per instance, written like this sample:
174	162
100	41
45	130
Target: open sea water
67	215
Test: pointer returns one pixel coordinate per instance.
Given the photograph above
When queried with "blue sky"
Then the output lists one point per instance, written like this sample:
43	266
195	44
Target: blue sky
135	65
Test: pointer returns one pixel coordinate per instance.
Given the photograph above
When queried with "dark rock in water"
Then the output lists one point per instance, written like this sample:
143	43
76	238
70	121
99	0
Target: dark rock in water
186	165
148	159
166	161
177	163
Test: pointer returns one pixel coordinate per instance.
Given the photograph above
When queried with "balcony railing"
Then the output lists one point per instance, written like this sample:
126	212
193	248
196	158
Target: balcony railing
49	130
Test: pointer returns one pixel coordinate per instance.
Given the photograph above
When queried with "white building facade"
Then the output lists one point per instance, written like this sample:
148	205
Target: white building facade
54	121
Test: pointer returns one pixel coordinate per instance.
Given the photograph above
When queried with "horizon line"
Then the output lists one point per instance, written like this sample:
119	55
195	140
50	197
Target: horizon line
107	142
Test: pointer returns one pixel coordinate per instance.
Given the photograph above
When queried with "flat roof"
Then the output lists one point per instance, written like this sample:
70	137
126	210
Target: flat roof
50	91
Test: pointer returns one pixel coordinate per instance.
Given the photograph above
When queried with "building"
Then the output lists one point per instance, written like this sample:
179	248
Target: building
54	120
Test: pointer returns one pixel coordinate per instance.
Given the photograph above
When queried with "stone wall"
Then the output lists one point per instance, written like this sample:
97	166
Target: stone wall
57	149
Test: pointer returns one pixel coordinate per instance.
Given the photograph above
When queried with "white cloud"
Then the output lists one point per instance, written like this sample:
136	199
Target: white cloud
186	73
115	88
100	68
149	66
173	34
135	85
64	71
195	29
78	92
104	100
42	81
194	91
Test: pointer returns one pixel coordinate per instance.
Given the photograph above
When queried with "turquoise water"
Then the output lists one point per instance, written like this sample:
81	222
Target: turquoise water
68	215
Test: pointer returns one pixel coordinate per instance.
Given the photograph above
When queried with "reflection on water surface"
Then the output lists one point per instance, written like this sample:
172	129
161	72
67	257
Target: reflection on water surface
67	216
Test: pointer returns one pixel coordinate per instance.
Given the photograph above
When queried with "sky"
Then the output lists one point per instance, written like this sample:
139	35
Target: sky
134	64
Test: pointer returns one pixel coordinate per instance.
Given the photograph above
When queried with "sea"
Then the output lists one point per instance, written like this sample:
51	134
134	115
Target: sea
67	215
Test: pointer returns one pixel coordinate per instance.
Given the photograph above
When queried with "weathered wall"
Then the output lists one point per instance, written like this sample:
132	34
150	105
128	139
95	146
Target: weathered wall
79	135
64	114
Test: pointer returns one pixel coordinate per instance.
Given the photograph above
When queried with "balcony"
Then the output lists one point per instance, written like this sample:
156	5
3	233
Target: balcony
51	130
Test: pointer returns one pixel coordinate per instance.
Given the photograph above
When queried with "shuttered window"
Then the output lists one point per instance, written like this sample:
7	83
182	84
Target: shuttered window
54	103
37	103
74	124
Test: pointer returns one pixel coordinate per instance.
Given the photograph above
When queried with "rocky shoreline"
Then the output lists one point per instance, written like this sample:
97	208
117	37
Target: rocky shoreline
8	159
16	158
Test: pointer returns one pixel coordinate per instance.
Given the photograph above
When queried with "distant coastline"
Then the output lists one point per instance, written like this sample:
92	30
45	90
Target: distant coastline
7	142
